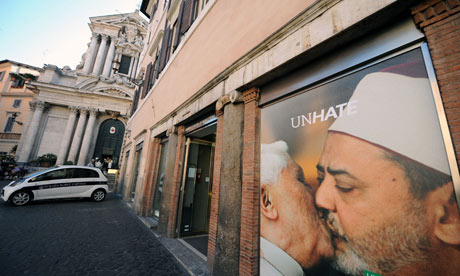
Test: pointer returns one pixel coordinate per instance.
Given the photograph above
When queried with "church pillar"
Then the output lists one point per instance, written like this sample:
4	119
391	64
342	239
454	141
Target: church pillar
90	56
133	70
116	63
87	138
100	55
131	65
64	148
32	132
77	136
108	62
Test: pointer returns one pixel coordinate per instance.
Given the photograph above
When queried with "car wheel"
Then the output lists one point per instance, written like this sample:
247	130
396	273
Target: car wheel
98	195
21	198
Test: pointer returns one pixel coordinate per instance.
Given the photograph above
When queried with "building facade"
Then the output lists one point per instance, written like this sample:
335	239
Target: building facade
16	94
81	114
216	79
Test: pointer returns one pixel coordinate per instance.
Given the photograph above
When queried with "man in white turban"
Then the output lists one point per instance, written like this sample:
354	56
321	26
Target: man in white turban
385	183
292	234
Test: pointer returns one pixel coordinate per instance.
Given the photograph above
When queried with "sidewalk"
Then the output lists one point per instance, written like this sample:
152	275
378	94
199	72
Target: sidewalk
193	262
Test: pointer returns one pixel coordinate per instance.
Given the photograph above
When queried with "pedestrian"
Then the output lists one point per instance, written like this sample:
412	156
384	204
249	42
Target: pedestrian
91	163
105	165
98	163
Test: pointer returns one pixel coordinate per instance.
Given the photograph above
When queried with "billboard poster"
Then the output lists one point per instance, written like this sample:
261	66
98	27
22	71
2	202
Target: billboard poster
355	178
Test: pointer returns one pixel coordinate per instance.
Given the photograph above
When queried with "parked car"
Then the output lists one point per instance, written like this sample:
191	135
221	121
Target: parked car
60	182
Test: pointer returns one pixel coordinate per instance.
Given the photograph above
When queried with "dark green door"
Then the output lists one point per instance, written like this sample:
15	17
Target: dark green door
109	141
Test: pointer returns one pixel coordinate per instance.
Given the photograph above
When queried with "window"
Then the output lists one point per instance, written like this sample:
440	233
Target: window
17	103
1	75
124	64
84	173
17	82
9	124
53	175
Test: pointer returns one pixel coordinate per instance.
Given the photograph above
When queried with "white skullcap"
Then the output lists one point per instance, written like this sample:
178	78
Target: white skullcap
398	113
274	159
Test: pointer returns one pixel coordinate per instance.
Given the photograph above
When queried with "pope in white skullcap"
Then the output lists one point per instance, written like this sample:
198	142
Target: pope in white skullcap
397	113
274	159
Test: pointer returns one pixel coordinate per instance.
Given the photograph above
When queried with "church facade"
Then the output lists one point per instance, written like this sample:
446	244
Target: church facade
81	114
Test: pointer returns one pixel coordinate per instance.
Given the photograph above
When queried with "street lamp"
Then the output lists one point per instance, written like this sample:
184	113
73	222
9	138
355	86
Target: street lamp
14	116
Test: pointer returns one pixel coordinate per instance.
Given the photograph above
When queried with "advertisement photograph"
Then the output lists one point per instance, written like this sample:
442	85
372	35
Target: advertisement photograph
355	177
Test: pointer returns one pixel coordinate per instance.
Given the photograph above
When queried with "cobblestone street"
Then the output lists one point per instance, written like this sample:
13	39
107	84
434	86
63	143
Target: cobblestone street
79	237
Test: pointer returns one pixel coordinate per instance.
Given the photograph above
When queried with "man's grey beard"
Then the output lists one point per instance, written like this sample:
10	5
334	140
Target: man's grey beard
384	250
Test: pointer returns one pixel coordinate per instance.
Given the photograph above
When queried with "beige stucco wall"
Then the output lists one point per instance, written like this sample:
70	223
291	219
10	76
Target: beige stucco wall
7	97
4	67
226	33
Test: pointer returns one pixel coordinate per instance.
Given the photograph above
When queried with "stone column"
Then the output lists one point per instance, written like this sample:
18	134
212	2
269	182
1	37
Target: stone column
226	259
66	139
25	131
108	62
117	64
91	53
133	71
77	136
131	65
87	138
100	55
32	131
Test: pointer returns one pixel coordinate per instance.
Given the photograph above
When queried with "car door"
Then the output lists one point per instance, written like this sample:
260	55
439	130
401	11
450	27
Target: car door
85	179
52	184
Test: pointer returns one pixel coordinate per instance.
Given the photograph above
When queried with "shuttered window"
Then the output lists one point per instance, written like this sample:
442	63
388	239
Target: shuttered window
187	16
152	76
135	101
164	48
145	87
177	31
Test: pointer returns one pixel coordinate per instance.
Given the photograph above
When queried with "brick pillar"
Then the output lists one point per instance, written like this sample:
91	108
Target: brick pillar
214	212
249	237
173	205
150	173
440	21
226	258
173	168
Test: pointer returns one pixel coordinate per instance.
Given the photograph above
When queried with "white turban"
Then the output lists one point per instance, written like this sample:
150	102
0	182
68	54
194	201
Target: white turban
397	113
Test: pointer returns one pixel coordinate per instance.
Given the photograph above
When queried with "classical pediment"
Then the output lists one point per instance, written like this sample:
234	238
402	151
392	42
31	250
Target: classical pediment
121	20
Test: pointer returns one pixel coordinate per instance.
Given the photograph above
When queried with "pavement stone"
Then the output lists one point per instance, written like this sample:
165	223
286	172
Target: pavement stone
80	237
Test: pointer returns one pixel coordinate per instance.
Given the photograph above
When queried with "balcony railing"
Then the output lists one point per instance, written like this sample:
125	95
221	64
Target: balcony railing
10	136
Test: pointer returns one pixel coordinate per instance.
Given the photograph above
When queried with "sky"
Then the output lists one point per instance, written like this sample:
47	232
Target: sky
38	32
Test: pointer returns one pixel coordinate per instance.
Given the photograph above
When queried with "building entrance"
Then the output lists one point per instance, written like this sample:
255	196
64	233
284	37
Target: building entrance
196	188
109	141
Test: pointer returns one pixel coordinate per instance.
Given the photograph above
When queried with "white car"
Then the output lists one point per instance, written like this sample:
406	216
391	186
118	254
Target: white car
60	182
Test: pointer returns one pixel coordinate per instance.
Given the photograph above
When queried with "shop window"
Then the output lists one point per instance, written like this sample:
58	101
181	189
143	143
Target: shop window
124	64
17	103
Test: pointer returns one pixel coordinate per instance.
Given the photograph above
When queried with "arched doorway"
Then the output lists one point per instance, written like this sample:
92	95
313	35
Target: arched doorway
109	141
